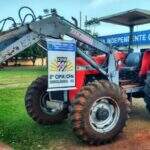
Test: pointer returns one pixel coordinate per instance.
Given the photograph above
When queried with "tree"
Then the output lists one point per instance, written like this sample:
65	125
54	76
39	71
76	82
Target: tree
32	53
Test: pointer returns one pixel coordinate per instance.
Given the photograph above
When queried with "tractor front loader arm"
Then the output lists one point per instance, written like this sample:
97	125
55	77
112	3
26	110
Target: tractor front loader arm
56	26
18	39
15	41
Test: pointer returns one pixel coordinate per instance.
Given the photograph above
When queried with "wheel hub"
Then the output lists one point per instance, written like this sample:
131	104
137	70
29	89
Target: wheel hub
104	114
49	106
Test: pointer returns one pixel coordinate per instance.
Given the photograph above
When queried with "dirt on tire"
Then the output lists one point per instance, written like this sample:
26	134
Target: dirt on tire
32	103
82	105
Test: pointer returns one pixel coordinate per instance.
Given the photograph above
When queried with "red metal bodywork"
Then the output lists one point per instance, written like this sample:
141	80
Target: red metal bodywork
82	72
145	66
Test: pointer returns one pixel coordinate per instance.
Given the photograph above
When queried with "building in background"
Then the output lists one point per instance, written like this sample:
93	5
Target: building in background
141	40
38	62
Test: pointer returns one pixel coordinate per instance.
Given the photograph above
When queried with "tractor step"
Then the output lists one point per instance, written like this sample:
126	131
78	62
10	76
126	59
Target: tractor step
128	82
132	88
125	82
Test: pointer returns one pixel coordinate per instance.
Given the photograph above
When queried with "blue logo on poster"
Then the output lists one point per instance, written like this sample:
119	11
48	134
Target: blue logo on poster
61	46
139	38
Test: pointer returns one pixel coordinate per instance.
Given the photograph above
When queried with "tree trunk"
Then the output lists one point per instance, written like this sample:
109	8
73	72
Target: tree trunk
16	60
33	61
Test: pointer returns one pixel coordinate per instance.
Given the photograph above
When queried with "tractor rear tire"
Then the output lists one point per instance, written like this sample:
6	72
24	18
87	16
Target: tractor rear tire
99	112
147	92
36	91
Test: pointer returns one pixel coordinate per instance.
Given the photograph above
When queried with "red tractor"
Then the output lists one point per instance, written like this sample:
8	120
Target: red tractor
94	112
105	82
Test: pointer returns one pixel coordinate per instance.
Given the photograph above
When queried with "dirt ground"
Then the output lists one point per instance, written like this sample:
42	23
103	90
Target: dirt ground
136	135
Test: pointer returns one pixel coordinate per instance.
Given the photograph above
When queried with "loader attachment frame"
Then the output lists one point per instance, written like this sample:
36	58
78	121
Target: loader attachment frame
54	26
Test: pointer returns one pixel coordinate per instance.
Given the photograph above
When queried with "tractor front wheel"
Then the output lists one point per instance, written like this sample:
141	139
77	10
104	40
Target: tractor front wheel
99	112
37	102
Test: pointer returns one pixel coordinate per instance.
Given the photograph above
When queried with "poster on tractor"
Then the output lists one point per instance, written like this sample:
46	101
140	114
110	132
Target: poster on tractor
61	64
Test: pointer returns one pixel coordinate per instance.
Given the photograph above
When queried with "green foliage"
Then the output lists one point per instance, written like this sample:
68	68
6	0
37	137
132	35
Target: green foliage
31	53
93	21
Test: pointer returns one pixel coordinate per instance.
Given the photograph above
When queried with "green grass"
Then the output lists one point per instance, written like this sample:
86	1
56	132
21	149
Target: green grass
20	132
16	128
19	77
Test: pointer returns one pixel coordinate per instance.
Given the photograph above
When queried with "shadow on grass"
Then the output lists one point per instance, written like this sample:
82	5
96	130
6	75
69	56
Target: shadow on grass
25	134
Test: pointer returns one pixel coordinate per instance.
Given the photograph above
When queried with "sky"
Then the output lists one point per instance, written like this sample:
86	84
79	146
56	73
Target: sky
68	8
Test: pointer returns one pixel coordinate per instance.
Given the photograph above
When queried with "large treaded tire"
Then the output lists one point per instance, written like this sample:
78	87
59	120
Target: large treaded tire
147	92
81	110
32	104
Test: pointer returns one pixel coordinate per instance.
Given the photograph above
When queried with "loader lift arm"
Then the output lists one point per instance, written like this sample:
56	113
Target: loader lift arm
16	40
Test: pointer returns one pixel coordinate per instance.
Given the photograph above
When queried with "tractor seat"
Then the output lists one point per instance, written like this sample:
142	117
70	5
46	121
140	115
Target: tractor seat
132	62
